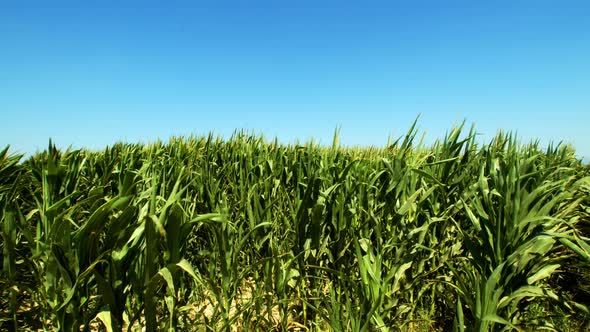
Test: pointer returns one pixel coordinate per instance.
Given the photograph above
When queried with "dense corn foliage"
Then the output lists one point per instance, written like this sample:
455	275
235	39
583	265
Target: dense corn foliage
202	234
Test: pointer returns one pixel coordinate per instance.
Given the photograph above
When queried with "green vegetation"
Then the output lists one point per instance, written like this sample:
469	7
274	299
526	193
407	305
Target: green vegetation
201	234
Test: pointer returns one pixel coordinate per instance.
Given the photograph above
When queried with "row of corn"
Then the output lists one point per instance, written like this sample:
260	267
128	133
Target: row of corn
244	234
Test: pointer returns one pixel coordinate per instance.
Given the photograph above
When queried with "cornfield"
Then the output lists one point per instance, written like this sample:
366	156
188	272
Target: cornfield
245	234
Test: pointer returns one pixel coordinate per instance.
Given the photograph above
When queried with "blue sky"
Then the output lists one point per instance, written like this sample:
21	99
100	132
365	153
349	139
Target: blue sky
90	73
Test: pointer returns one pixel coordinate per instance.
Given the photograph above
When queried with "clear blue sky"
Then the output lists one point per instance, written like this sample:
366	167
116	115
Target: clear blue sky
90	73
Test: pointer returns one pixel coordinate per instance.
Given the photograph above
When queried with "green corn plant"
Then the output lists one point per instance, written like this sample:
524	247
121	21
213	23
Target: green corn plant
62	262
50	244
10	173
117	271
518	219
